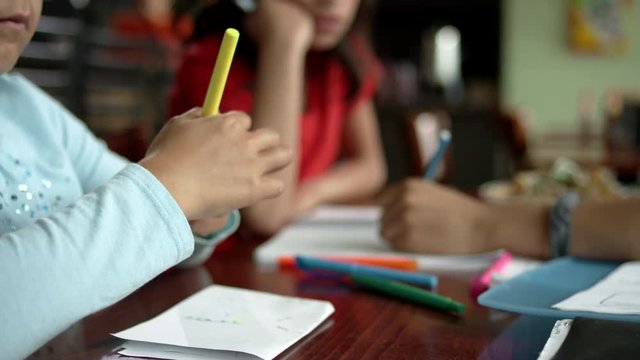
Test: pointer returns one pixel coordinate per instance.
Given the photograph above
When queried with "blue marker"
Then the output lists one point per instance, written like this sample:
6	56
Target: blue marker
310	263
445	139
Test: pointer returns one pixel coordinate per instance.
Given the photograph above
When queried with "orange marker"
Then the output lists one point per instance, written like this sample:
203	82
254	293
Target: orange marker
392	262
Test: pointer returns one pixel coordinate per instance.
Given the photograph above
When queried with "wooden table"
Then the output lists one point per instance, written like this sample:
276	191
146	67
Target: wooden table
364	326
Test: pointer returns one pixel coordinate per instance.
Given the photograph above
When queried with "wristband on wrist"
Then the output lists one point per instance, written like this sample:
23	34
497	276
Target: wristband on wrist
204	245
560	223
230	227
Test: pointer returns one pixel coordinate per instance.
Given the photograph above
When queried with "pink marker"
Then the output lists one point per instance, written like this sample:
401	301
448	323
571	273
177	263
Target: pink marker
496	267
481	283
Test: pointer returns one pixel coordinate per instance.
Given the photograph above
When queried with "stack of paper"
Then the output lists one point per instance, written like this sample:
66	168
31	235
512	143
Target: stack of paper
618	293
343	214
353	231
222	322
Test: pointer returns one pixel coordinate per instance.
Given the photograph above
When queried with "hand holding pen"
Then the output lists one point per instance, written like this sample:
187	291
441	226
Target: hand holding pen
425	217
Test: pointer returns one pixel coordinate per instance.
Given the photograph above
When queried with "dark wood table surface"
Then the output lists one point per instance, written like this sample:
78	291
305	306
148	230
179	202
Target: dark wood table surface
365	325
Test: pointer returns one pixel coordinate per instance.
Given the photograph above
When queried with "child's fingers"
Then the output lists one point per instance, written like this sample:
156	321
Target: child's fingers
242	120
392	233
193	113
263	139
389	195
275	159
270	187
393	216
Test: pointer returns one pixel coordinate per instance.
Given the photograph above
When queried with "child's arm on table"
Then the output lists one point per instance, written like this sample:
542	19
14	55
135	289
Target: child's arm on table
119	236
425	217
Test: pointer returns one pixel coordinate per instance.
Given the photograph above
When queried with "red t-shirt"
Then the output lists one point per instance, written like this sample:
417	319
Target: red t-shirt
327	104
326	109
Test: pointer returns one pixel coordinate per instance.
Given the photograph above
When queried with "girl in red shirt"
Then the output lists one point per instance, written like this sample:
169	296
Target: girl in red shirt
304	69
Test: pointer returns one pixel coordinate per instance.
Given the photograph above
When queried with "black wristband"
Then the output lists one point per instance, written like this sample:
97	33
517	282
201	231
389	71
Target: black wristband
560	223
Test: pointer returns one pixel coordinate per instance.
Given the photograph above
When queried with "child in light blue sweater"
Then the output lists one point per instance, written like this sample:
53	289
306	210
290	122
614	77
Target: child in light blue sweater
80	228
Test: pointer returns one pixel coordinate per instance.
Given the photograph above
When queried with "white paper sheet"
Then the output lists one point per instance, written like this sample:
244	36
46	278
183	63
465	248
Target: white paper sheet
159	351
617	293
343	214
354	236
231	319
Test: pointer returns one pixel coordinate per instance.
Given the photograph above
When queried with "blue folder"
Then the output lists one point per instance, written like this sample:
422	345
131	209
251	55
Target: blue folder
534	292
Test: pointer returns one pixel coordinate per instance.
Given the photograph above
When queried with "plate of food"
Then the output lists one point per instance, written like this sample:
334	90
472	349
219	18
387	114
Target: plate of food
545	186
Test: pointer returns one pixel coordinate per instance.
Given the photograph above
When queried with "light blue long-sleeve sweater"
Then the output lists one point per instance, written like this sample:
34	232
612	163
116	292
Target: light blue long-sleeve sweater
79	227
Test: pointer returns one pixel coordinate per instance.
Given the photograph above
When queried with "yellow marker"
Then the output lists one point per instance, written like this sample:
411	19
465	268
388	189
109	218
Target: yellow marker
220	72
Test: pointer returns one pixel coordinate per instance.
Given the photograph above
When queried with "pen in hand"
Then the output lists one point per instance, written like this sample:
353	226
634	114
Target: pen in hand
220	72
432	168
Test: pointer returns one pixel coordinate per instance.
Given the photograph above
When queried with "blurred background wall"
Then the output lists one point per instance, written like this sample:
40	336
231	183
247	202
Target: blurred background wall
500	74
541	73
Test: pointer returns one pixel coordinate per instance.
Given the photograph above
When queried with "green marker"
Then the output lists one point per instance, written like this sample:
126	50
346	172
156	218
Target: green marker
408	292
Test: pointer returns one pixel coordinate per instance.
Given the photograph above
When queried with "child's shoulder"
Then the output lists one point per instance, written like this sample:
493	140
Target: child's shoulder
22	94
17	83
21	89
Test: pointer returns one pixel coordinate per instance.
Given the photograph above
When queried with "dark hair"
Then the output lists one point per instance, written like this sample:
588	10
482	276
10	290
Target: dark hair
214	18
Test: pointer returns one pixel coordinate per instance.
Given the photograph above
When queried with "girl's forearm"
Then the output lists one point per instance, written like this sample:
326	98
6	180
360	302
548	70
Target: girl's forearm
606	230
603	230
352	180
519	228
278	106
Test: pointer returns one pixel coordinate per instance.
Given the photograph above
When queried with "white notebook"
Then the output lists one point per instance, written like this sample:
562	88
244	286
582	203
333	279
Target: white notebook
221	322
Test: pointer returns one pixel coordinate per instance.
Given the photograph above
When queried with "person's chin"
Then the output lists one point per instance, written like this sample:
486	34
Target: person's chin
324	44
8	57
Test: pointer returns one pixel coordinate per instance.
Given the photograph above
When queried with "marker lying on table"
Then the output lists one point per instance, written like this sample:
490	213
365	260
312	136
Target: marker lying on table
408	292
310	263
499	265
220	72
392	262
482	282
432	168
